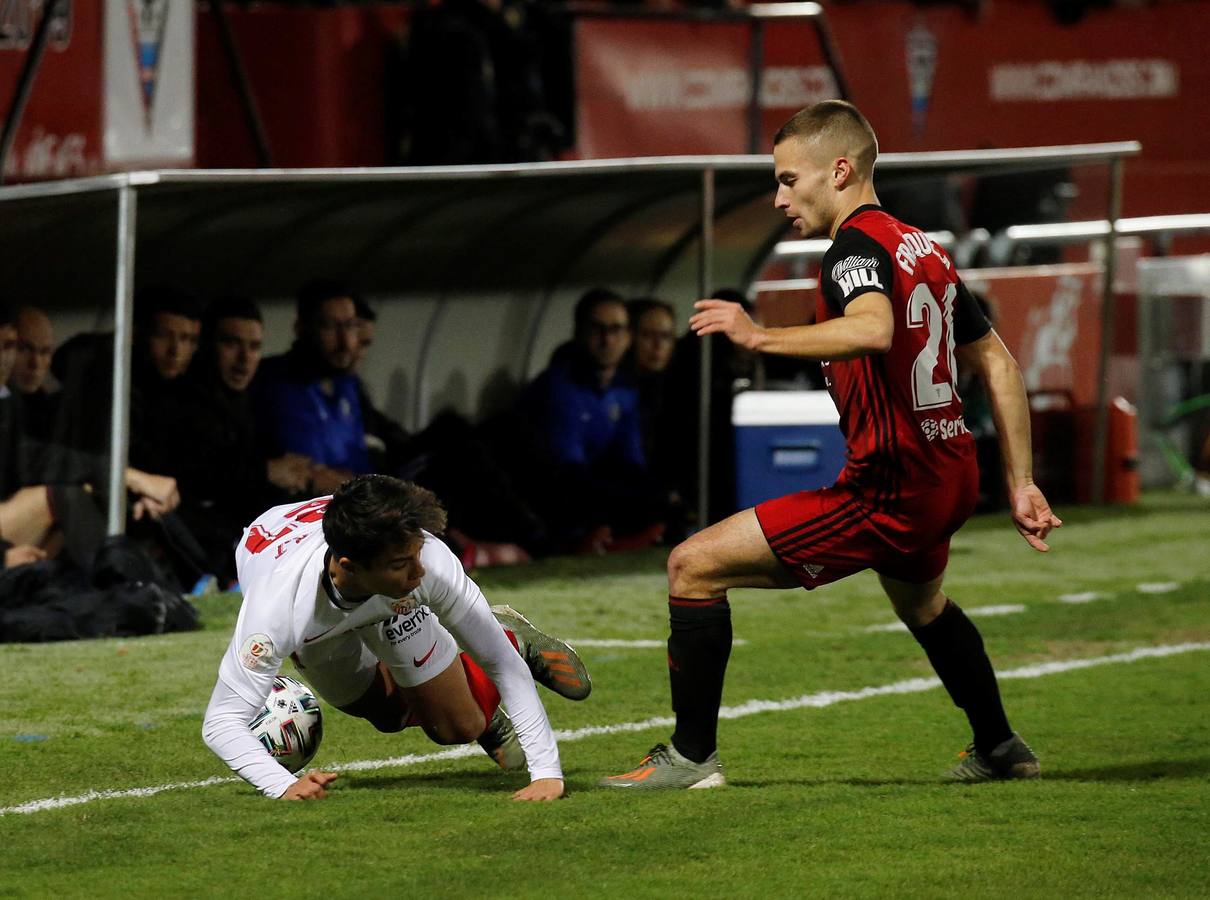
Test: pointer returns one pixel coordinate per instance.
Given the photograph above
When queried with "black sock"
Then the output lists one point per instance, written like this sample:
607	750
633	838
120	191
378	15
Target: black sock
955	649
698	648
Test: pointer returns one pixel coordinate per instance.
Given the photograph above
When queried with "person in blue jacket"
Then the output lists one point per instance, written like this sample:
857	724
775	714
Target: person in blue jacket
588	471
308	399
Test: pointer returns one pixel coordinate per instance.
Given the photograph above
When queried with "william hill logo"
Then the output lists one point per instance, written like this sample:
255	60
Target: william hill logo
854	272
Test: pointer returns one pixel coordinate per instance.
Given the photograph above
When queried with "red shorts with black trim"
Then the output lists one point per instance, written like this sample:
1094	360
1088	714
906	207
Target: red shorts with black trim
825	535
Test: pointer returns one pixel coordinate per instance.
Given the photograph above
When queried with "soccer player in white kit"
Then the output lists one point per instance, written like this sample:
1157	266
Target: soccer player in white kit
372	608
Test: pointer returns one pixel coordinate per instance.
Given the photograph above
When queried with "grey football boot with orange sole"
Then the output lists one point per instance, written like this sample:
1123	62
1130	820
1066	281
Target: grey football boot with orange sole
1010	760
553	663
664	768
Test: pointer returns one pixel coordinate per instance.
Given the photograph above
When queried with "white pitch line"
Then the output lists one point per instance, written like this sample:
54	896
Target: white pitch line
1156	587
1082	597
1003	609
639	644
752	707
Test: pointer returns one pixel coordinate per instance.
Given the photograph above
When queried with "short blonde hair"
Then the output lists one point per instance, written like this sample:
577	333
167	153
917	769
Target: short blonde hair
835	121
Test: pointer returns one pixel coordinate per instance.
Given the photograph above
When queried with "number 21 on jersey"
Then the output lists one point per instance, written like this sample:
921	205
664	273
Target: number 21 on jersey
923	311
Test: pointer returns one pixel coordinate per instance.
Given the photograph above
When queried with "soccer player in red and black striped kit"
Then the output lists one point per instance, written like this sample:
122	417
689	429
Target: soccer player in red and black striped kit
893	322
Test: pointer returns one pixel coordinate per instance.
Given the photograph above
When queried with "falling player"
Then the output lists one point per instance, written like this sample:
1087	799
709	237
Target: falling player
359	593
893	320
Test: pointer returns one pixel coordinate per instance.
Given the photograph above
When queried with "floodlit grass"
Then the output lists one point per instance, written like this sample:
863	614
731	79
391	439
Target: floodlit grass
837	801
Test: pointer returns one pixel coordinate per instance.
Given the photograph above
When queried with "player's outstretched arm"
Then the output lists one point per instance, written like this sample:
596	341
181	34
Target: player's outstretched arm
866	327
312	786
541	790
1031	514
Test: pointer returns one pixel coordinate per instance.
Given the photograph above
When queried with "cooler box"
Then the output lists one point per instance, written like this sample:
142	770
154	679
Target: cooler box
785	441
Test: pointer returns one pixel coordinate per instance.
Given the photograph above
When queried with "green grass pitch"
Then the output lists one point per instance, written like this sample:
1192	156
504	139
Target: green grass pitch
843	800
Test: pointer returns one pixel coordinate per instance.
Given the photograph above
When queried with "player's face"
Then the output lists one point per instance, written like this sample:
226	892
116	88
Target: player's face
8	351
396	572
35	342
654	338
237	351
804	186
337	331
172	343
607	334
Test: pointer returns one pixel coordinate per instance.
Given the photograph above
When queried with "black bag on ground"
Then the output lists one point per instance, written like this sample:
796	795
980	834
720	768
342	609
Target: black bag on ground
123	596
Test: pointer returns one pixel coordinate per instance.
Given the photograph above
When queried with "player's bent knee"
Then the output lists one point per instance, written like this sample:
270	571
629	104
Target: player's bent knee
687	568
456	730
384	716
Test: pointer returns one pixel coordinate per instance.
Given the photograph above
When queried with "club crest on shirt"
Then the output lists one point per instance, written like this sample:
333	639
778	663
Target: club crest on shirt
856	271
257	654
403	605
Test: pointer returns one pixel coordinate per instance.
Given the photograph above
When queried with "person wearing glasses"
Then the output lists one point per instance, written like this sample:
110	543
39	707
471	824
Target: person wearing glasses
307	400
586	467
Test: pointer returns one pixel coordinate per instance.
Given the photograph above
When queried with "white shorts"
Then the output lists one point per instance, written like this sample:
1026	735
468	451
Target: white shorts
415	647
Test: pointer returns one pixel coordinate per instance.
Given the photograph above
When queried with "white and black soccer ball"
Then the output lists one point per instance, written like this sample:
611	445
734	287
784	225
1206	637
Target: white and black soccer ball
290	724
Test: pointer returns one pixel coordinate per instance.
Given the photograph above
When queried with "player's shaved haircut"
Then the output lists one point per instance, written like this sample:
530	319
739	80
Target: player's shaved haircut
838	125
371	514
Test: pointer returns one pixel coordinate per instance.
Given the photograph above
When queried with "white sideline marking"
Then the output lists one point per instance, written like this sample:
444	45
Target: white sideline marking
806	701
1156	587
1004	609
1082	597
641	644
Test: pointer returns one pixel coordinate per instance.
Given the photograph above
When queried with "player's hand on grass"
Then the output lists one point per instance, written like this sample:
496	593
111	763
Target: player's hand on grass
1032	515
542	789
21	554
311	786
721	316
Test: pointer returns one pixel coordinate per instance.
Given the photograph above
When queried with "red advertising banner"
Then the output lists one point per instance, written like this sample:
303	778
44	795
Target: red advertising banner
929	78
113	91
61	131
1049	317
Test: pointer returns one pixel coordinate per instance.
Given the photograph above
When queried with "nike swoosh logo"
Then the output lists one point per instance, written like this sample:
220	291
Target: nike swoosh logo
420	662
308	640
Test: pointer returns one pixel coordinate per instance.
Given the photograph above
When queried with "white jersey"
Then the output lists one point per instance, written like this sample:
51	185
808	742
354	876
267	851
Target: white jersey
281	561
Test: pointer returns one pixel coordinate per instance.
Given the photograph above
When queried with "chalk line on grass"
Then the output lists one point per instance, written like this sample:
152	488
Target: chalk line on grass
1156	587
807	701
1082	597
1003	609
638	644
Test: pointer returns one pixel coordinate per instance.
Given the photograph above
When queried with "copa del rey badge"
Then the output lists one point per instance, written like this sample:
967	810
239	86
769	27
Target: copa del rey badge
148	20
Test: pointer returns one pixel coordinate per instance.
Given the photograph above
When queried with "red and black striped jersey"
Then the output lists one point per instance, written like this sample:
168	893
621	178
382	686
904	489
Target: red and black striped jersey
900	411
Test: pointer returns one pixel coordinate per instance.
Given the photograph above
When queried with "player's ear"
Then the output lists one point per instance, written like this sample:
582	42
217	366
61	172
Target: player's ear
842	173
347	565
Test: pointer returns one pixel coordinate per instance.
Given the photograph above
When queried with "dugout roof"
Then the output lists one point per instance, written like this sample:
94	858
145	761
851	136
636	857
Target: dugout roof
443	230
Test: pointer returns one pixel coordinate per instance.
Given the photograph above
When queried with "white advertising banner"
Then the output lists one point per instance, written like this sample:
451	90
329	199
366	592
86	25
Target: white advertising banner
149	83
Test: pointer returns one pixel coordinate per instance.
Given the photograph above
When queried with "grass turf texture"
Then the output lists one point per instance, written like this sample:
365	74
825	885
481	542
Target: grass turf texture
843	800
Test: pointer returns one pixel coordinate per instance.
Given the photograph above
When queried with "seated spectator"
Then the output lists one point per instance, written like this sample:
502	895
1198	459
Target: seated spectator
225	480
167	324
35	344
652	339
313	403
586	470
308	400
51	498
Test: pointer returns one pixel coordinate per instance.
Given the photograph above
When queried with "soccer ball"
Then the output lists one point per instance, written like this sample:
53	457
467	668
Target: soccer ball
290	724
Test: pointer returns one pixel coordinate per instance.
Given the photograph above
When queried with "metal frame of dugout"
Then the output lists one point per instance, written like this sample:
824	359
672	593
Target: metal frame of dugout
634	220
